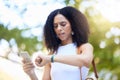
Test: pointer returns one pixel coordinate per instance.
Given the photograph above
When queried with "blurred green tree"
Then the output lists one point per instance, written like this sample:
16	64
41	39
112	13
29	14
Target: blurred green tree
106	50
108	56
24	44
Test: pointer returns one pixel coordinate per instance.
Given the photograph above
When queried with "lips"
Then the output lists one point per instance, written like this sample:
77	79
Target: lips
61	35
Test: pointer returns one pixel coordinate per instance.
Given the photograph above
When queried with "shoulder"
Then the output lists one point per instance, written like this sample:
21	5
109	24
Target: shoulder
86	46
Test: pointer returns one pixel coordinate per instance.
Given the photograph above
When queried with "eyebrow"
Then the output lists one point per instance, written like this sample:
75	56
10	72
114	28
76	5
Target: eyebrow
61	22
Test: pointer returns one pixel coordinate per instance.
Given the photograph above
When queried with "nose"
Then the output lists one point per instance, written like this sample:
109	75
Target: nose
59	27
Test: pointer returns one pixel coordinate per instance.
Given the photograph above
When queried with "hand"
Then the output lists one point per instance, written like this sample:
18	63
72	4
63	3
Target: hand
41	60
28	67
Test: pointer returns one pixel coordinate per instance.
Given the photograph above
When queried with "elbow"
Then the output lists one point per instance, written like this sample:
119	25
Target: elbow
86	61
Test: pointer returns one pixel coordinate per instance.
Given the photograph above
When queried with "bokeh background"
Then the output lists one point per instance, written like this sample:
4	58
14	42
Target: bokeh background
21	29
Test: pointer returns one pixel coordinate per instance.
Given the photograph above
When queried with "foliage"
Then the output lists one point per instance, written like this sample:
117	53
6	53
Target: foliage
107	58
22	42
104	57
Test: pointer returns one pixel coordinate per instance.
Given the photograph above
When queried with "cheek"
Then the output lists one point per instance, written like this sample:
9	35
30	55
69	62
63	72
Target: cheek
68	29
55	31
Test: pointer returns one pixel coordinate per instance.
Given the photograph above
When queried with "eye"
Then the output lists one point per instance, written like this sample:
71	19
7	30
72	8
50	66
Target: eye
55	25
63	24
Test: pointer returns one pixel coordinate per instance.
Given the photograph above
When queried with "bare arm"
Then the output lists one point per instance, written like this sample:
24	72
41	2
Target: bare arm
46	73
85	58
33	76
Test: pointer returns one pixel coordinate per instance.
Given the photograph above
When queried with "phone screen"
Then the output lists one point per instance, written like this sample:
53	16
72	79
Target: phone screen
25	56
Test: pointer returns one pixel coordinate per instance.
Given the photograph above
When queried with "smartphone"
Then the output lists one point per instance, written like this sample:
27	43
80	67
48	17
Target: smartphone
25	56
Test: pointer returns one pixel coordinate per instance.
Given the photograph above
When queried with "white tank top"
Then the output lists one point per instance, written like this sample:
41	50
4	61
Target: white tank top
60	71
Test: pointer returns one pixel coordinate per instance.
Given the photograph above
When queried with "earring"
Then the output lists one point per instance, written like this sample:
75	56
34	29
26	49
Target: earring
72	33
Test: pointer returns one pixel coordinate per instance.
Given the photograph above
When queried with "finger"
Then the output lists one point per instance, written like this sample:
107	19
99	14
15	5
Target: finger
29	63
28	70
38	64
27	66
39	60
23	60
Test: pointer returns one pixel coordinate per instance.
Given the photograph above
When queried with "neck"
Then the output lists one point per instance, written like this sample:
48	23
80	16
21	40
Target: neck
66	42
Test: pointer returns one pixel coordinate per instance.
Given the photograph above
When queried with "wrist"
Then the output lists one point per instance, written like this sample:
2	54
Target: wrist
48	58
52	58
33	75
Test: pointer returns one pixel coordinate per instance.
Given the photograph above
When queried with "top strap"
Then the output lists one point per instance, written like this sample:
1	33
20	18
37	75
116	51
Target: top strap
94	67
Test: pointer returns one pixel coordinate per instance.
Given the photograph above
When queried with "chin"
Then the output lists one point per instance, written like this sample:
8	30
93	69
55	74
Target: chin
63	39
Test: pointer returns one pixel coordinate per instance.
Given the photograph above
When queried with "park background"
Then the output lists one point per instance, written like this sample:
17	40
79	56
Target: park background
21	28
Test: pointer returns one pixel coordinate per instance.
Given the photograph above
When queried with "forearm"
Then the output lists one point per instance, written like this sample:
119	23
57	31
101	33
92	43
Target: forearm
68	59
46	72
75	60
33	76
83	59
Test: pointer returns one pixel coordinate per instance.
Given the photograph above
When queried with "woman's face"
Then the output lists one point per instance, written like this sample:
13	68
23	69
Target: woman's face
62	28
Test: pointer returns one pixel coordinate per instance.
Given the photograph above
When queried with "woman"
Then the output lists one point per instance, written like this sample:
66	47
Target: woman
66	38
